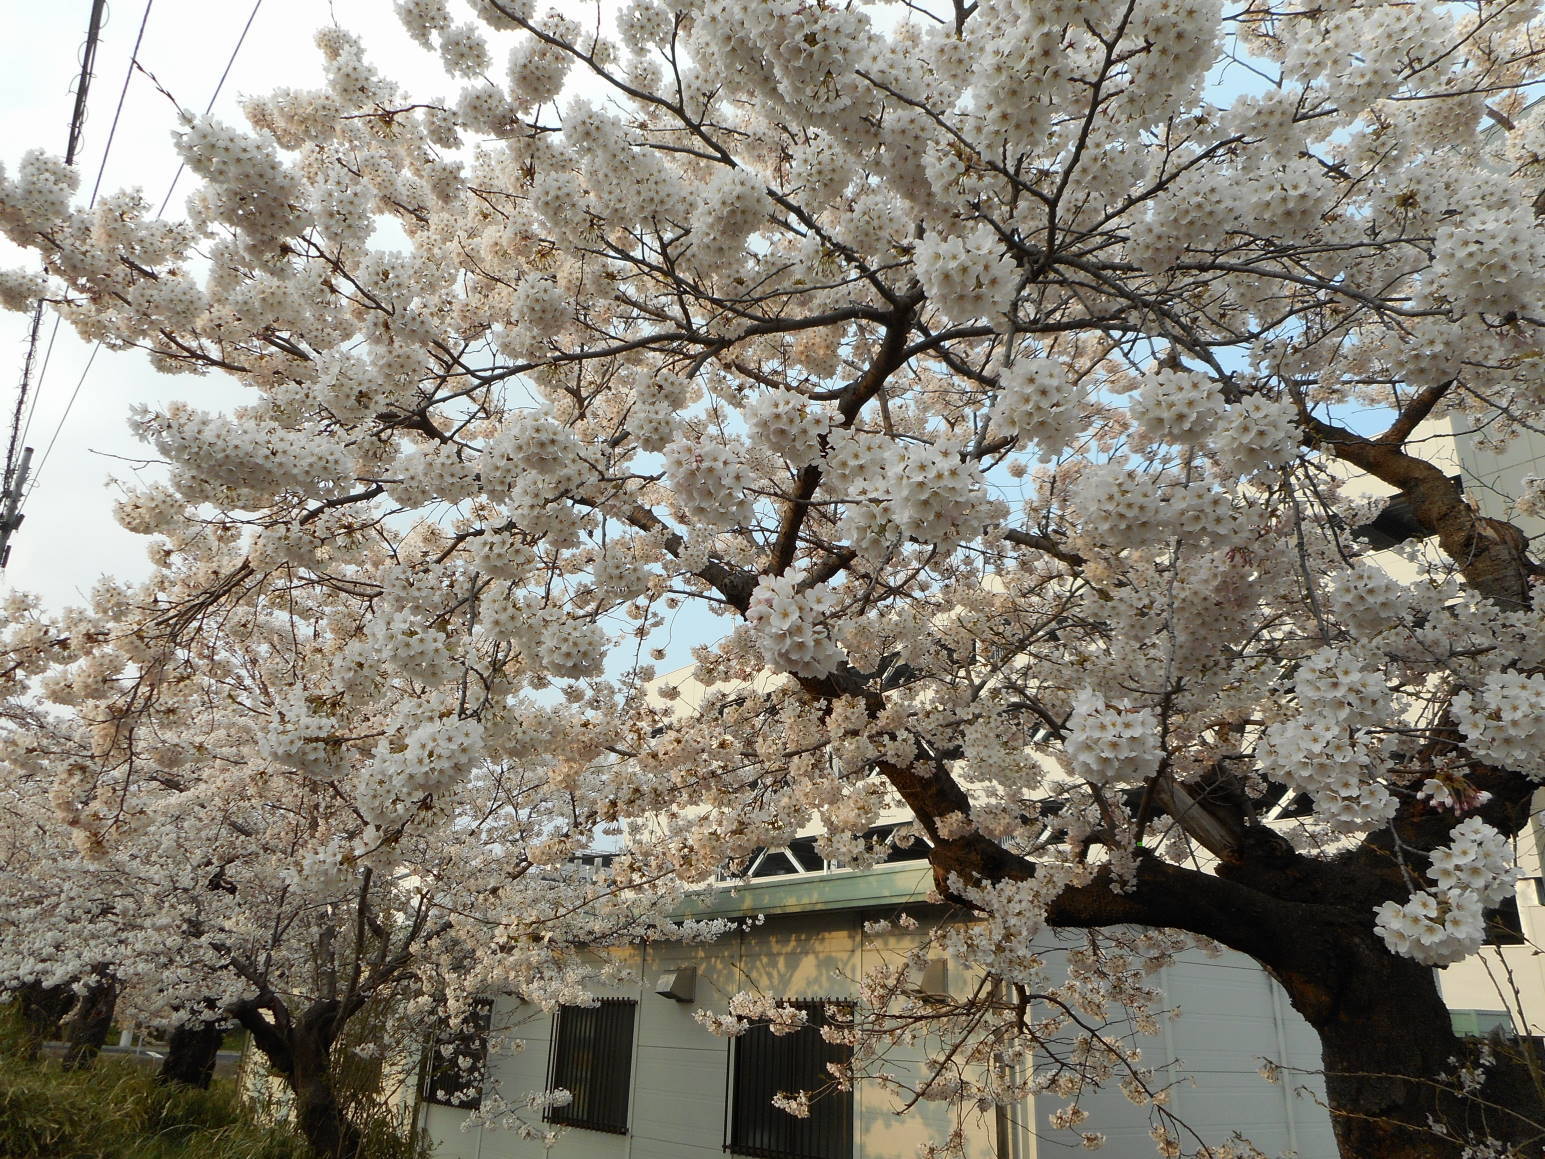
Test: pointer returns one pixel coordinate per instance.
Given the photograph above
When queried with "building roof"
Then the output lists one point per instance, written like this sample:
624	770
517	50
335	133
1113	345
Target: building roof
900	883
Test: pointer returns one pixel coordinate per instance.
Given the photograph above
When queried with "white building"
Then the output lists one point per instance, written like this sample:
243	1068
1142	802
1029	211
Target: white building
649	1082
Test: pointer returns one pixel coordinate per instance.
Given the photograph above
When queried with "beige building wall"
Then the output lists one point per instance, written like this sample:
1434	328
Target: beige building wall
1509	979
1494	473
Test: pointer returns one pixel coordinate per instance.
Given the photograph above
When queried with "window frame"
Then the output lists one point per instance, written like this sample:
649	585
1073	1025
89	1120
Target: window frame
580	1067
463	1089
753	1126
1482	1023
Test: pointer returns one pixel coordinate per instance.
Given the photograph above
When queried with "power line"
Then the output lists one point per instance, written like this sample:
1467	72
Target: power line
123	92
59	426
32	406
10	496
107	148
213	97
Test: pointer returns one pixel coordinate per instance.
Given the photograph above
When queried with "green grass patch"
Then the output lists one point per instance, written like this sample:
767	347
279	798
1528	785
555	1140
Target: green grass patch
116	1110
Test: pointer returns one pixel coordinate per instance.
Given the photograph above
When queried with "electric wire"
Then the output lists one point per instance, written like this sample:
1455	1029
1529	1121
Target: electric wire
32	403
77	122
59	426
37	472
213	97
96	187
123	92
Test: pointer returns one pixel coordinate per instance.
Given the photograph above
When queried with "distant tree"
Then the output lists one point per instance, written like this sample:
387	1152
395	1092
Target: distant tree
242	863
192	1051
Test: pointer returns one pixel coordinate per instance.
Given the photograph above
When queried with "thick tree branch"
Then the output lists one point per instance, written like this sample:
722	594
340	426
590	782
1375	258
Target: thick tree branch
1491	554
891	357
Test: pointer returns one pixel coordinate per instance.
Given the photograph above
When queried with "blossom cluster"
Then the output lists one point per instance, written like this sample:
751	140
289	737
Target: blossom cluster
1504	721
789	628
1112	744
1177	406
967	275
1327	749
711	480
1036	400
38	196
1474	871
785	425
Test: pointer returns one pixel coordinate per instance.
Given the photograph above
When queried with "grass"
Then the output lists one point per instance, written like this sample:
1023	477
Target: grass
116	1110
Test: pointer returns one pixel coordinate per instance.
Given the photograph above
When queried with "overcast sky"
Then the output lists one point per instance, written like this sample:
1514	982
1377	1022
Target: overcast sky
69	537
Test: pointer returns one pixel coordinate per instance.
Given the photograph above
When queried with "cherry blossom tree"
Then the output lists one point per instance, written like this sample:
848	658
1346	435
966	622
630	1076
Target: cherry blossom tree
190	832
994	372
58	925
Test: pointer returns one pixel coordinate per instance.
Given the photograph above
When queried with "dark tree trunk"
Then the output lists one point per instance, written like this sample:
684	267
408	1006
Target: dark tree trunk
89	1024
1394	1068
317	1111
300	1049
40	1010
191	1051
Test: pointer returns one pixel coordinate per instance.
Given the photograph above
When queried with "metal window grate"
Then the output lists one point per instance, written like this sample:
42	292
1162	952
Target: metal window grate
592	1058
458	1060
765	1064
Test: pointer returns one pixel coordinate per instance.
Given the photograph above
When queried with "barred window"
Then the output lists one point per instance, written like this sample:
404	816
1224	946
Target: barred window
458	1060
765	1064
591	1057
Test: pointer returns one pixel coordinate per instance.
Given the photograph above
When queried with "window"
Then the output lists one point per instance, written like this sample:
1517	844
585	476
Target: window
798	856
1503	925
458	1059
592	1058
1481	1023
897	843
765	1064
1396	523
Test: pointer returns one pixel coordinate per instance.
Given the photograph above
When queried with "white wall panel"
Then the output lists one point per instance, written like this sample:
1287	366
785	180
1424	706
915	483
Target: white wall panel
1232	1015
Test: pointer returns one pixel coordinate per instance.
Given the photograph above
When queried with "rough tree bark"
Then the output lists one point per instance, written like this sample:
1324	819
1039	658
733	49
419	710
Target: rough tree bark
191	1052
317	1110
300	1050
1394	1070
90	1022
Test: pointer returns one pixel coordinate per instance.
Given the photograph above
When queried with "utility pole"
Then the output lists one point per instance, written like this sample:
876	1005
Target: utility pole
10	500
16	470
